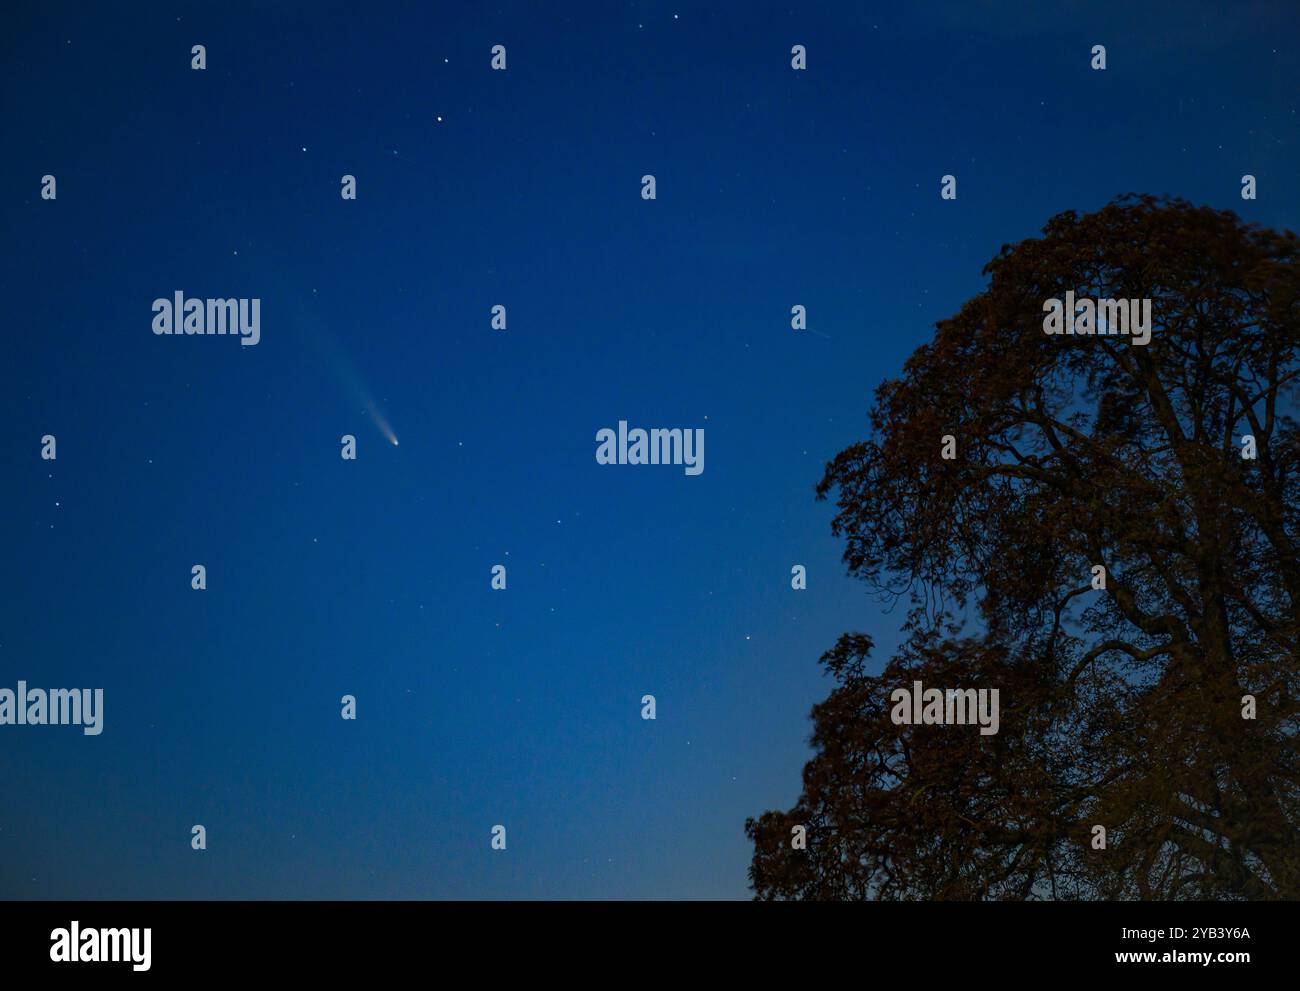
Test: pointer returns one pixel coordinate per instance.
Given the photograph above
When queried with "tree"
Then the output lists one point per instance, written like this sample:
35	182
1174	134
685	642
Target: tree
1120	707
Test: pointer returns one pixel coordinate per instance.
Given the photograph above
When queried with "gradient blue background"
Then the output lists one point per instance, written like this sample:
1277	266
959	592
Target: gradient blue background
371	577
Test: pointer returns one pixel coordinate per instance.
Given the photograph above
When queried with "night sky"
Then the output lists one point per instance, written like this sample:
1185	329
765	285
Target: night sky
521	187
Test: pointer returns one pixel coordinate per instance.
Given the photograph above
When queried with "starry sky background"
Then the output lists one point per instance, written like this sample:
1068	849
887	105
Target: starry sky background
521	187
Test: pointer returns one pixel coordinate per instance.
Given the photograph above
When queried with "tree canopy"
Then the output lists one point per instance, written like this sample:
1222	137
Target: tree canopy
1121	706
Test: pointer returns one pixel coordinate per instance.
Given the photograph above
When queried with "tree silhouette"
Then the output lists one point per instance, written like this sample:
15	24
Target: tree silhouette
1120	707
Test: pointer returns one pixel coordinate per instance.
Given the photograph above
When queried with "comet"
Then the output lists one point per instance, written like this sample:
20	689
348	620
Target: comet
332	350
381	422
